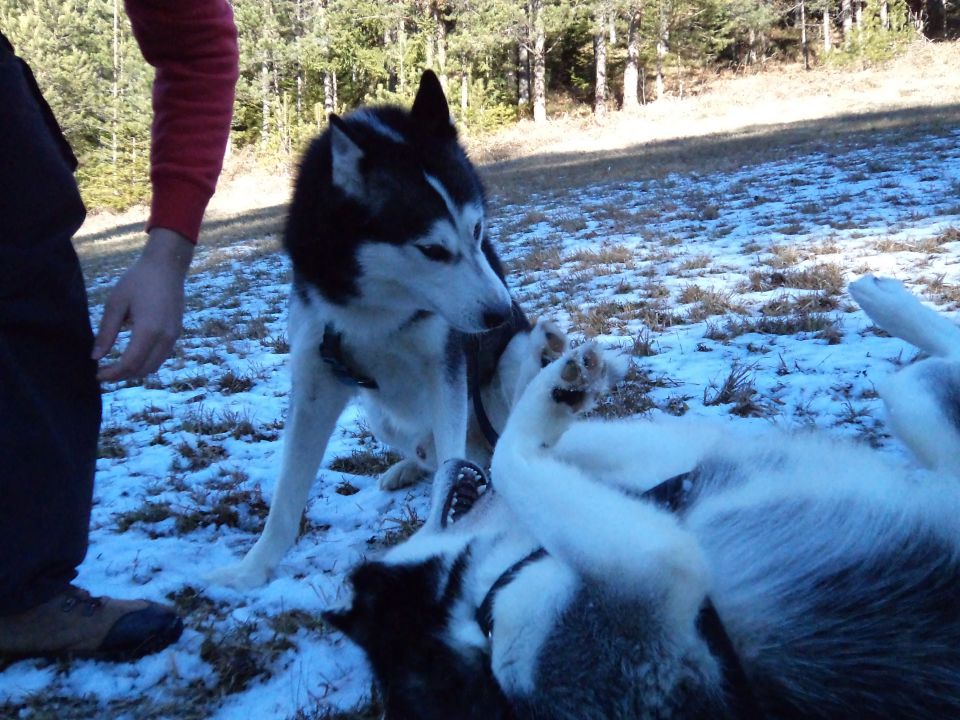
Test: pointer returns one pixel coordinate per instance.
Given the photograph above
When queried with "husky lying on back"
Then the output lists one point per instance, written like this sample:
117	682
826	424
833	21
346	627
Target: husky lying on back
562	593
397	290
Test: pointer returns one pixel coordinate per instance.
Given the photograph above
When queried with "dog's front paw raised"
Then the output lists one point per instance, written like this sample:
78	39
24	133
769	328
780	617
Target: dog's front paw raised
550	342
879	297
582	376
401	474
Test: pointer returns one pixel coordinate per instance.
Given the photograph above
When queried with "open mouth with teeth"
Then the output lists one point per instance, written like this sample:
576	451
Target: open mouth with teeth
569	396
468	487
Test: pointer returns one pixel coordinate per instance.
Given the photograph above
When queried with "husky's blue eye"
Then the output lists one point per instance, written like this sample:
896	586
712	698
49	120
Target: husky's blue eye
435	252
477	231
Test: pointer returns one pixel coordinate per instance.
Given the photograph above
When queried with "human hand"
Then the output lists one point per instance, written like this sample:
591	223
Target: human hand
148	296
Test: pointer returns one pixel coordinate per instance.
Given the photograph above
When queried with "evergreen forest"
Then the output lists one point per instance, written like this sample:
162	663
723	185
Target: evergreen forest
500	61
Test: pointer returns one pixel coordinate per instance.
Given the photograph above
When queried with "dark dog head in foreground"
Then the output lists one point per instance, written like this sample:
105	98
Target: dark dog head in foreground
402	616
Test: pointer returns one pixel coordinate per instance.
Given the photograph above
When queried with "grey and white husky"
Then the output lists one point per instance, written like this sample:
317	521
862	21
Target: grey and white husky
568	591
394	279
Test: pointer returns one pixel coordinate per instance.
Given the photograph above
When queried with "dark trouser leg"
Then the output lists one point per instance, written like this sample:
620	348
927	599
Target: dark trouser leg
49	396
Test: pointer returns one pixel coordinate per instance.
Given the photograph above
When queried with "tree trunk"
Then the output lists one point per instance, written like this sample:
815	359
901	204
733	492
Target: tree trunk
389	44
115	123
803	35
300	75
401	54
679	76
827	27
329	101
264	100
440	41
464	88
523	74
430	40
663	39
600	59
884	15
539	61
631	69
936	18
846	16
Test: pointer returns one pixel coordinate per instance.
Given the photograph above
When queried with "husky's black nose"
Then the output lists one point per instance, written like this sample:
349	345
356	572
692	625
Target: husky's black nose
493	319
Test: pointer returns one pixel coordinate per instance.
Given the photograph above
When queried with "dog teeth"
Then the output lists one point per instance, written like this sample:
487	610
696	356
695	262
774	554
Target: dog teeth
469	484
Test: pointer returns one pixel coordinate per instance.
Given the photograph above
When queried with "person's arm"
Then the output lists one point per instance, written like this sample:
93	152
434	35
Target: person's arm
193	46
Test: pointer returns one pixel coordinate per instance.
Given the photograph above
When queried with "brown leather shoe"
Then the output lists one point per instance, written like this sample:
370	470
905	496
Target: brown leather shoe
75	624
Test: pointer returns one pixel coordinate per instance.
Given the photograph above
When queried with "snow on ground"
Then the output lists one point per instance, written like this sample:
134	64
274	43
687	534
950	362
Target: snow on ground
728	290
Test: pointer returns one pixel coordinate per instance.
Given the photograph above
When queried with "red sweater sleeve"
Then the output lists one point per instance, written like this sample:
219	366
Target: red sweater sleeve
193	46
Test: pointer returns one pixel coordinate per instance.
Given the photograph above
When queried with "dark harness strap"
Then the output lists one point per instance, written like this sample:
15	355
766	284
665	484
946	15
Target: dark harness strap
484	351
484	614
739	693
331	352
673	494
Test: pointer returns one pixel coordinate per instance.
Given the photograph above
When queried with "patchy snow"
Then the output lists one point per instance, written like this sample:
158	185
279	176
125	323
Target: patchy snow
697	275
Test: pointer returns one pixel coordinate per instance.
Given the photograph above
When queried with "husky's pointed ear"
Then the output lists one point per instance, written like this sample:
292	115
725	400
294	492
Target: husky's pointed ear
430	111
345	158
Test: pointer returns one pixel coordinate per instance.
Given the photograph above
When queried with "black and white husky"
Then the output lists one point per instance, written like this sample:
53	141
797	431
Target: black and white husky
394	279
780	576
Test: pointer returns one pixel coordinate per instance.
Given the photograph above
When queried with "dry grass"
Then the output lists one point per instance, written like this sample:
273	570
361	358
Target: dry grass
930	245
610	316
603	255
696	262
369	461
226	501
399	528
708	303
943	291
822	325
736	390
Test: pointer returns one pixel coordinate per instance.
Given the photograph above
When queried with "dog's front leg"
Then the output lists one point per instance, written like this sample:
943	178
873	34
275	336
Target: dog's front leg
629	545
922	400
316	401
449	412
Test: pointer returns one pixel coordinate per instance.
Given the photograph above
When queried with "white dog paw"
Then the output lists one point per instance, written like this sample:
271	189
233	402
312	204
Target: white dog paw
549	341
877	296
582	375
401	474
240	576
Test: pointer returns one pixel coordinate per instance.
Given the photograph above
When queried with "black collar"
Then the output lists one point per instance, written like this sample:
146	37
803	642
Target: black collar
672	494
483	354
331	352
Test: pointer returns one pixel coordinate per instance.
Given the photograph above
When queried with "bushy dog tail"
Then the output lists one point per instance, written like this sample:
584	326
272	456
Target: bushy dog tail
898	311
